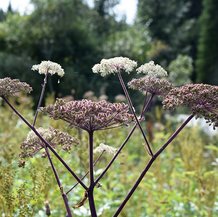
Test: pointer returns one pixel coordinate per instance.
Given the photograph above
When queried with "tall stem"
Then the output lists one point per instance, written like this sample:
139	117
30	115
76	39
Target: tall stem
91	177
92	202
64	196
40	99
149	165
145	107
46	143
132	110
91	167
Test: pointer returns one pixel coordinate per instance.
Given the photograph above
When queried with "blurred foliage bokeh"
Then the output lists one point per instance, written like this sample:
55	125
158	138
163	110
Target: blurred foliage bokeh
77	35
182	181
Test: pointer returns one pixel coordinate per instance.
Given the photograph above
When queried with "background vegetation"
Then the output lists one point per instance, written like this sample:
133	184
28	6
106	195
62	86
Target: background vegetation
182	182
78	36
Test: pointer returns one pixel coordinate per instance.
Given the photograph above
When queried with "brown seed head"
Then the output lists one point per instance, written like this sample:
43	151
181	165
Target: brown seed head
151	84
9	87
89	115
32	144
202	99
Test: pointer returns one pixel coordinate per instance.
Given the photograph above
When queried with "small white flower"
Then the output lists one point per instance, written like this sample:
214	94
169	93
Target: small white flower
102	147
152	70
48	67
114	65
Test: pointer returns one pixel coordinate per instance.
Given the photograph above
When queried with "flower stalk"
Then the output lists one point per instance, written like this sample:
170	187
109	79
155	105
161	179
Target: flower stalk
40	99
151	161
91	176
96	161
148	147
46	143
64	196
145	107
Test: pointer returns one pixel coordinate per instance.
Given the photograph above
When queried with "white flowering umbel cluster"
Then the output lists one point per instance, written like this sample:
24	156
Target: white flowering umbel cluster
154	81
48	67
106	148
114	65
151	69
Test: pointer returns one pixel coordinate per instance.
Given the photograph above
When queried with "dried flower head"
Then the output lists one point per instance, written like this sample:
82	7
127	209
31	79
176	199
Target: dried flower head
153	85
152	70
48	67
33	144
105	148
114	65
201	98
9	87
89	115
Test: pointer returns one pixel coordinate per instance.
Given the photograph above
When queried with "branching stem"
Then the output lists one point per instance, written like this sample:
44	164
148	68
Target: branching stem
125	141
132	110
173	136
96	161
46	143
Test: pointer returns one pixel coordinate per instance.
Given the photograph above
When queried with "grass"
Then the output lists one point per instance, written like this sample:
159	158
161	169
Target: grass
182	181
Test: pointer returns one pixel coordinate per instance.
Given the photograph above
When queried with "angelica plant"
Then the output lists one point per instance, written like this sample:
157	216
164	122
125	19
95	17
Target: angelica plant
91	116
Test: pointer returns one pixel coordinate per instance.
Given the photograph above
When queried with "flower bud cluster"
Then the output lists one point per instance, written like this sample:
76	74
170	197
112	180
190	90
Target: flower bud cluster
151	69
48	67
106	148
89	115
114	65
33	144
9	87
153	82
202	99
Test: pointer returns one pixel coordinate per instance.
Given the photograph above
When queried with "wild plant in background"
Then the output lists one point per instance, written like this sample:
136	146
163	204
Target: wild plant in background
102	115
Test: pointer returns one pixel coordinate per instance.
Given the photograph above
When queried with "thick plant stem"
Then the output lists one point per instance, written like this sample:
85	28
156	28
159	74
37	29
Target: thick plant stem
46	143
126	140
91	176
150	163
40	99
92	202
132	110
91	167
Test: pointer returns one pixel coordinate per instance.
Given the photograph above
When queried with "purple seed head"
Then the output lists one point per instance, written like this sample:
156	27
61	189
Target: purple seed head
9	87
89	115
202	99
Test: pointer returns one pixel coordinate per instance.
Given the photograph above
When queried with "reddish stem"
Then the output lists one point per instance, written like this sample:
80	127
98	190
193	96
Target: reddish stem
173	136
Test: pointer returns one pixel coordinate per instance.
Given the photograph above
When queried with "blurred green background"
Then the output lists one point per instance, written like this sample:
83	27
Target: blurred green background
77	36
182	181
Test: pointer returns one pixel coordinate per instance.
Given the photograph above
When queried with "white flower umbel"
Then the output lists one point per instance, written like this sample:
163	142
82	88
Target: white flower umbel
114	65
152	70
48	67
108	149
